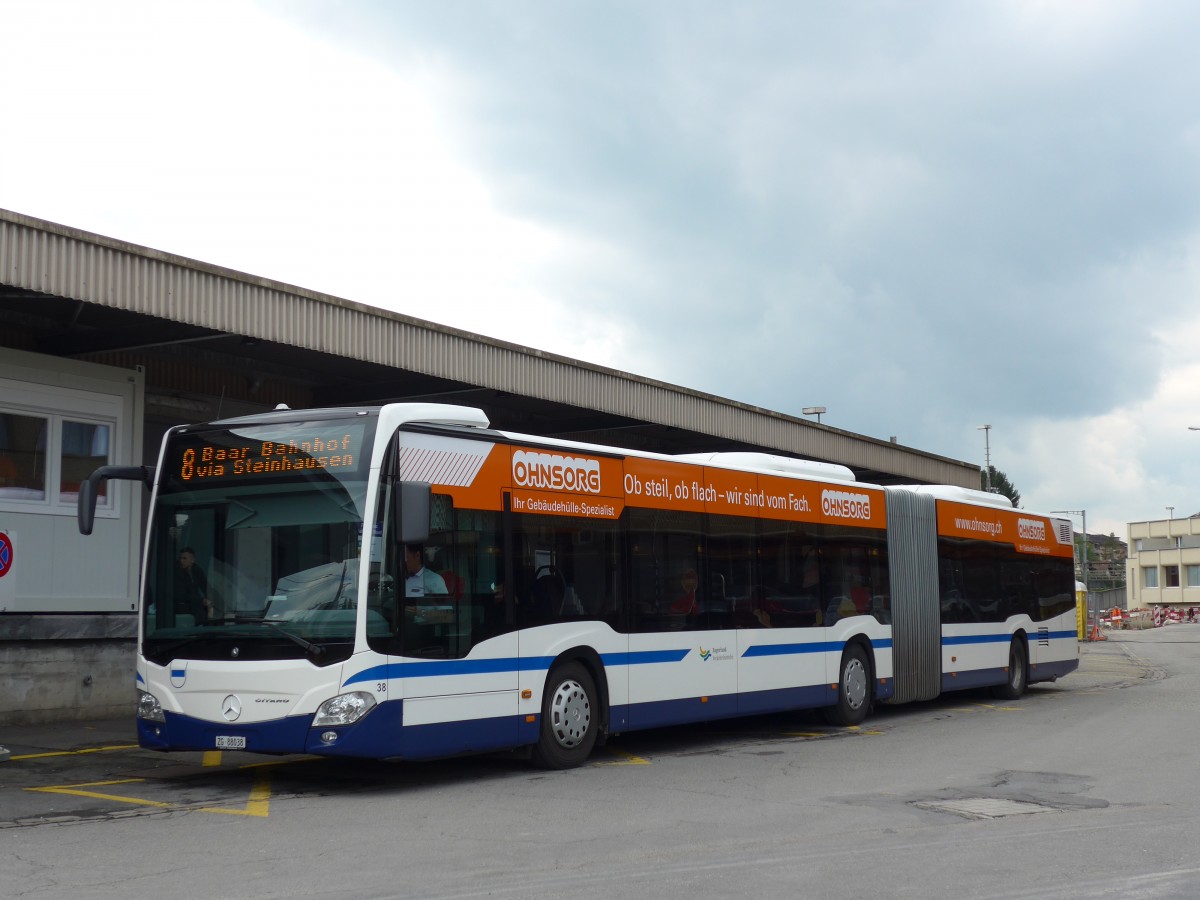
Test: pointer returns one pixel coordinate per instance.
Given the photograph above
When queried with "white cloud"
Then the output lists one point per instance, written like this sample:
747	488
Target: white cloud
1130	463
224	134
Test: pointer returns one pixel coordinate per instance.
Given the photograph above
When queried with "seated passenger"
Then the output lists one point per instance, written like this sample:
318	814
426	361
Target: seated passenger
686	604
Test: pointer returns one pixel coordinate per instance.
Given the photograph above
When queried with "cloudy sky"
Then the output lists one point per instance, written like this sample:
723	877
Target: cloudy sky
924	216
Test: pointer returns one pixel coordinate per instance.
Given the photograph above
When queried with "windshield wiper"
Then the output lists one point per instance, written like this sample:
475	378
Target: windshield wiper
163	651
317	650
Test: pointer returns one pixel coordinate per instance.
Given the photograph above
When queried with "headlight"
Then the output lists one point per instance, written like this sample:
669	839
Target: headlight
344	709
149	708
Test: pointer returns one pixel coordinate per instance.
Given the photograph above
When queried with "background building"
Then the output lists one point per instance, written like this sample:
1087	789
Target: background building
1163	567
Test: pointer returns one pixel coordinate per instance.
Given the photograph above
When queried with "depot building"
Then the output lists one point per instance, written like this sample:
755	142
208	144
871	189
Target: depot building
104	345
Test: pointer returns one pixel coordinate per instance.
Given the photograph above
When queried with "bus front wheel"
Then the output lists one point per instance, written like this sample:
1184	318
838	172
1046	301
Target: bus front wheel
854	689
569	718
1018	674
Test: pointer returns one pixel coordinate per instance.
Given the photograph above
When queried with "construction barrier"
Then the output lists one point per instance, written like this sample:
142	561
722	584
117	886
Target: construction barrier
1169	615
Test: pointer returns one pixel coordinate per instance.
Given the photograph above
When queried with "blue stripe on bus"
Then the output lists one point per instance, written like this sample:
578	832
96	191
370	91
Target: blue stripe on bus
1003	638
810	647
445	667
790	649
644	657
952	641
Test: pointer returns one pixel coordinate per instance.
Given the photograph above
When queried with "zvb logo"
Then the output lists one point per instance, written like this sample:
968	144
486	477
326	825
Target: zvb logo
705	655
231	707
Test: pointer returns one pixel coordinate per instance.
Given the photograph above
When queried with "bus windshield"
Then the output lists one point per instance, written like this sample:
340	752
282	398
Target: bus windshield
255	541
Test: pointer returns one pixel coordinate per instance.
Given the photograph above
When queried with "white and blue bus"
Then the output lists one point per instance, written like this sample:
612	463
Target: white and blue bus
406	582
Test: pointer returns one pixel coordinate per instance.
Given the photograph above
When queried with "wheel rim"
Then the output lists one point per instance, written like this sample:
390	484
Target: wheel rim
570	714
854	679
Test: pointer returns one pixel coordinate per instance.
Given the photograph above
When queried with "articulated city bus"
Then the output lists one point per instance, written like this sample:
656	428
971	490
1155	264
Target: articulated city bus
406	582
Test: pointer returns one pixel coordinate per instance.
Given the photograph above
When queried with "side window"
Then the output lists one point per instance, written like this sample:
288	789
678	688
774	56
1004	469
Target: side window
23	456
465	550
84	449
879	578
854	574
448	592
975	585
44	457
666	575
790	579
735	592
564	568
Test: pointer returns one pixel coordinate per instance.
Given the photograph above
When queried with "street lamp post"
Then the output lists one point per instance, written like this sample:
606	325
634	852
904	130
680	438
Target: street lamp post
987	455
814	411
1084	556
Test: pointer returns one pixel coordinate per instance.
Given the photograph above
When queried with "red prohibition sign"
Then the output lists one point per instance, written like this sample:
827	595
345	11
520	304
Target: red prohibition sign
6	554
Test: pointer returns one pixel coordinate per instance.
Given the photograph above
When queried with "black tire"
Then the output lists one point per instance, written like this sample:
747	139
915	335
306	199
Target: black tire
1018	672
570	718
854	689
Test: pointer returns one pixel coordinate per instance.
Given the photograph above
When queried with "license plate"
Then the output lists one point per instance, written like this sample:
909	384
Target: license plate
230	742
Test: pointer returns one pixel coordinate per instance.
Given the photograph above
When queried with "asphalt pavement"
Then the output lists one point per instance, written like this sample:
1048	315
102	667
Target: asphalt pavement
63	772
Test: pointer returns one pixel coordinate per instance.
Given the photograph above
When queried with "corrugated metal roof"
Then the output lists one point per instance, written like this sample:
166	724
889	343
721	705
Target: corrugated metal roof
66	262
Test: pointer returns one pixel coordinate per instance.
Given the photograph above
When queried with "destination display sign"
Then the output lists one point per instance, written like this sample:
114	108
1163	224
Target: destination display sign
267	452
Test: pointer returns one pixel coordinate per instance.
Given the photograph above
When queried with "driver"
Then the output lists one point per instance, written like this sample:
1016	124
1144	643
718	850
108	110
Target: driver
419	581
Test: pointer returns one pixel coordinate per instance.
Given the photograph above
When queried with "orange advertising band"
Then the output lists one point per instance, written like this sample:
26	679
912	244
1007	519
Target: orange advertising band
576	484
1027	532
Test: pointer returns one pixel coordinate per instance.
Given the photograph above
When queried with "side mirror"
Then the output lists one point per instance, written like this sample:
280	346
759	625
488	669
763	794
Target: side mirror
410	512
90	490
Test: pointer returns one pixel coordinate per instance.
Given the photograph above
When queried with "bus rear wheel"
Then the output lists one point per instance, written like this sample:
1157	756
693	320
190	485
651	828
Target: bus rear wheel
569	718
1018	674
854	689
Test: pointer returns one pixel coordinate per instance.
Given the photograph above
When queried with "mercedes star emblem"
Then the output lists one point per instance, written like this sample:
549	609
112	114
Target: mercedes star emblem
231	707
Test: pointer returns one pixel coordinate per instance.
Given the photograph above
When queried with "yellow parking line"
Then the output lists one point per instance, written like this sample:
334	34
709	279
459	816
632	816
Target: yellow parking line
272	763
73	752
96	795
258	804
211	758
627	759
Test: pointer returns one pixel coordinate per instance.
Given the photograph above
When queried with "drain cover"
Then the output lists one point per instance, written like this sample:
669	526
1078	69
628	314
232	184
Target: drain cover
984	807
